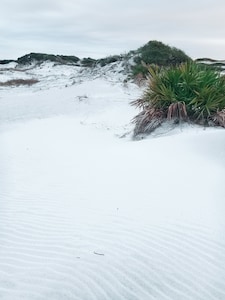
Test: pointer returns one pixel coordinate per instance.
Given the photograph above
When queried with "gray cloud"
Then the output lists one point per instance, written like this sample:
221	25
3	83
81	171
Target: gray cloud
98	27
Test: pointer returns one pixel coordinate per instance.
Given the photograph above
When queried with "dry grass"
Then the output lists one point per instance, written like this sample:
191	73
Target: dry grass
148	119
152	117
18	82
219	118
177	111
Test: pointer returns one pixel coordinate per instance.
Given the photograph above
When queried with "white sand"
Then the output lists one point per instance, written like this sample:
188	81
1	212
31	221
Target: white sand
85	214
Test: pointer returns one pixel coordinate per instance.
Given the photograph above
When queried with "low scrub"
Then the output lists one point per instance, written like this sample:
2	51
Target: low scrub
188	92
108	60
18	82
41	57
155	52
88	62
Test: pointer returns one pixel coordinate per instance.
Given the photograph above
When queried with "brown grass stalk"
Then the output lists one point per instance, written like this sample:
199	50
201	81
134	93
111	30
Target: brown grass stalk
147	120
219	118
177	111
18	82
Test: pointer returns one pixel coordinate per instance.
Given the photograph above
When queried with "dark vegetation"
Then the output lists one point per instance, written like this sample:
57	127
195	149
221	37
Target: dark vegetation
218	65
88	62
40	57
6	61
155	52
188	92
31	58
110	59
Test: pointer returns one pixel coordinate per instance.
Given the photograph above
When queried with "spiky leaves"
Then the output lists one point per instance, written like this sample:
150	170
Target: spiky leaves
148	119
186	92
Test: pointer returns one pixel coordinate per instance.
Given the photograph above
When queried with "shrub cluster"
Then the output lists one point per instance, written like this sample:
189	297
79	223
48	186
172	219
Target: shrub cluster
155	52
188	92
88	62
41	57
109	59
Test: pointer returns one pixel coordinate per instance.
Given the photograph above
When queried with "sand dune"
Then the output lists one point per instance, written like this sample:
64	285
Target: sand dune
88	215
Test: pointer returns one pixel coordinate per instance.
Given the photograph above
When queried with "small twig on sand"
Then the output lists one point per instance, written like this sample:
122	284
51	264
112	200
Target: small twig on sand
102	254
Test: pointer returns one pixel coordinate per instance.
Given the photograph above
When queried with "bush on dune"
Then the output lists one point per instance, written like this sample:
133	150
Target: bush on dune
155	52
188	92
161	54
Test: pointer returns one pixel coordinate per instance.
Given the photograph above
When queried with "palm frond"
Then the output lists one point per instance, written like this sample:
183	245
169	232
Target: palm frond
139	103
186	92
147	120
177	111
219	118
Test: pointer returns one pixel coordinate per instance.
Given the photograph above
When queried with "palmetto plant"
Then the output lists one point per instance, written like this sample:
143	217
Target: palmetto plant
186	92
219	118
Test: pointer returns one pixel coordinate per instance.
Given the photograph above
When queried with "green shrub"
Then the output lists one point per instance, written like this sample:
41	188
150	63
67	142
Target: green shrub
109	59
41	57
155	52
186	92
88	62
139	69
6	61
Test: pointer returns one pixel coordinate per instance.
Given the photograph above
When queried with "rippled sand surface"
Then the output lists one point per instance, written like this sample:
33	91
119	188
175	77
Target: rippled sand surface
85	214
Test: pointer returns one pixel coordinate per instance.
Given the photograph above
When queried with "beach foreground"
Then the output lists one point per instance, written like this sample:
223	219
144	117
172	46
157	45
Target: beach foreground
88	213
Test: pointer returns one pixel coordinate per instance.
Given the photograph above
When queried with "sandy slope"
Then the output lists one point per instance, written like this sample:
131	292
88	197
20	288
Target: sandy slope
85	214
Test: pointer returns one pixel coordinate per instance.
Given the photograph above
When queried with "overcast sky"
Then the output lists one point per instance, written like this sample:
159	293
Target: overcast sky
98	28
